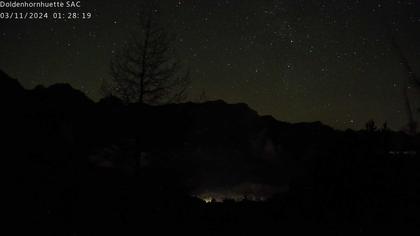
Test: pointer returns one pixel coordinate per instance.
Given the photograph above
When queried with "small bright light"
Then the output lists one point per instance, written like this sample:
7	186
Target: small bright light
207	199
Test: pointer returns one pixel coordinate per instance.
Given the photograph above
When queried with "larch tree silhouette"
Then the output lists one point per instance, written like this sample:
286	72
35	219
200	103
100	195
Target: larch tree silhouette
146	69
411	78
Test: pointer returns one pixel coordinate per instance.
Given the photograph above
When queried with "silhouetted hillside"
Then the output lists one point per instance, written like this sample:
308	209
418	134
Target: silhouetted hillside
75	163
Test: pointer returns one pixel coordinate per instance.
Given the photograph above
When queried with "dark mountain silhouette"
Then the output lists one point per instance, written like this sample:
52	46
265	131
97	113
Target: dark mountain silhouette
78	167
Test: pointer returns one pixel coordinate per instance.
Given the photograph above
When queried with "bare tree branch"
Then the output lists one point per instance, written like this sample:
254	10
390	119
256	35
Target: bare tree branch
146	70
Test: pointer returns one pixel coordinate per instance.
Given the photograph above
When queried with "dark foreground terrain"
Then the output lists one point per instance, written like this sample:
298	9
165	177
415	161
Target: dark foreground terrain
76	167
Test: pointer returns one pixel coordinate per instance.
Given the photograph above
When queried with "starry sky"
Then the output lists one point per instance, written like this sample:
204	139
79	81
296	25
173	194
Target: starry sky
297	60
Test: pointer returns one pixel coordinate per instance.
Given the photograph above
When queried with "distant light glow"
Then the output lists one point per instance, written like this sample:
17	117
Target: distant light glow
207	199
241	192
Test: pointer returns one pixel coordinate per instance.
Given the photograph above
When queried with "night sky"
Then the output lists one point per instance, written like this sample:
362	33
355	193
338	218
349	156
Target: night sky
298	60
